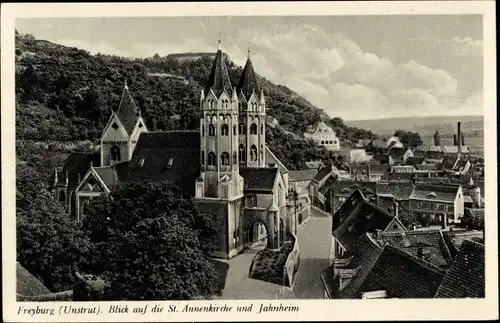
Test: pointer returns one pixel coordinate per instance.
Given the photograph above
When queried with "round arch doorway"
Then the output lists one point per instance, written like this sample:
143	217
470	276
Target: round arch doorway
257	235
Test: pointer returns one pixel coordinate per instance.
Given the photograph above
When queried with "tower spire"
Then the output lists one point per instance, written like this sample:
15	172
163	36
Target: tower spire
248	52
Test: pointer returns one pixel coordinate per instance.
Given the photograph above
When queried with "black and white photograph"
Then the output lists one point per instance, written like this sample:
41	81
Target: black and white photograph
217	157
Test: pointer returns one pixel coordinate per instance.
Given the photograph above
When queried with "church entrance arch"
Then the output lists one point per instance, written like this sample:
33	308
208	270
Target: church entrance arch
257	233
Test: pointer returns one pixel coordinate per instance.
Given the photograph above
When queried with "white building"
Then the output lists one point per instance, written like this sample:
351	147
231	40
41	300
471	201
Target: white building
323	135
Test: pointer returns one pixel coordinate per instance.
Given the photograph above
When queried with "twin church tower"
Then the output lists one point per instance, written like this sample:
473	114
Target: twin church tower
232	130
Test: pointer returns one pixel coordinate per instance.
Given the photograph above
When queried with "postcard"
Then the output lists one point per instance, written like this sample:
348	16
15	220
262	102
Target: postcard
251	161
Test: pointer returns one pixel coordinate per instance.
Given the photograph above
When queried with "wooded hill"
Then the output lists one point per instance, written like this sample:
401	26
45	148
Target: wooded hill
66	94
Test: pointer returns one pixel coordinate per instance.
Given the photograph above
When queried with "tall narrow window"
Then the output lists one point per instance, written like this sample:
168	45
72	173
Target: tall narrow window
115	153
234	158
212	160
224	159
234	130
253	153
224	130
261	129
253	129
211	130
242	129
62	196
242	153
202	158
203	130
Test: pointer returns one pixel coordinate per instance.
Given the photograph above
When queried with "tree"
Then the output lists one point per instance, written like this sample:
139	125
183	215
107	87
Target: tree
409	139
150	243
437	138
49	243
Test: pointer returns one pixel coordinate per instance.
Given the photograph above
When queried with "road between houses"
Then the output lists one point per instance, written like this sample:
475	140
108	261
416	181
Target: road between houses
314	238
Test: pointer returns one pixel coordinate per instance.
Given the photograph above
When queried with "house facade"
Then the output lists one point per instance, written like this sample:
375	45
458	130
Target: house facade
442	204
323	135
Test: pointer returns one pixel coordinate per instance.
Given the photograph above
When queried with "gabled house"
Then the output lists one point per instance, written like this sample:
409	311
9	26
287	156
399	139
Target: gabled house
466	276
339	192
323	135
437	203
354	218
300	192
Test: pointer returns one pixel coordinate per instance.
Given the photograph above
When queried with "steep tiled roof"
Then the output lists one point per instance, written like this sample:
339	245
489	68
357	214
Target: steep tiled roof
430	241
434	155
346	188
400	190
414	160
357	216
76	166
449	161
428	166
364	253
302	175
219	79
248	81
153	152
272	159
397	152
315	164
454	239
128	111
445	193
401	276
323	172
27	284
454	149
419	153
381	158
259	179
374	169
108	174
378	143
466	277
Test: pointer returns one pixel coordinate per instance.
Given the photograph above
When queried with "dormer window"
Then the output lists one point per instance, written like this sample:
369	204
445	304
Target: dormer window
431	194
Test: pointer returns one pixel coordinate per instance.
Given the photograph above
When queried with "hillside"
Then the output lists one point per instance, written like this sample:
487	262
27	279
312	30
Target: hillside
65	94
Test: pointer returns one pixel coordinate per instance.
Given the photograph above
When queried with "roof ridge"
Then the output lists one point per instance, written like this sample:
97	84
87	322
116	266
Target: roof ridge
416	260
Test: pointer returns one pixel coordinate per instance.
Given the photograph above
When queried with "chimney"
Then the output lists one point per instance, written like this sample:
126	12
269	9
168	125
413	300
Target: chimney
368	171
459	139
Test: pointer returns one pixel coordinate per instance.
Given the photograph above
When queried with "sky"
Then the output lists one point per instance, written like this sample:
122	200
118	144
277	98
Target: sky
353	67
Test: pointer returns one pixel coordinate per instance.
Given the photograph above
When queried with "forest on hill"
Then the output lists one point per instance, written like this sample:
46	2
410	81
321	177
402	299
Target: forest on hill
67	94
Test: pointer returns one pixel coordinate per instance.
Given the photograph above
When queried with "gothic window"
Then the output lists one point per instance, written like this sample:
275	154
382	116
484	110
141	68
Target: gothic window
253	129
211	130
115	153
140	125
224	129
242	129
242	153
212	159
234	158
202	157
115	125
225	102
224	159
203	130
261	129
234	130
253	153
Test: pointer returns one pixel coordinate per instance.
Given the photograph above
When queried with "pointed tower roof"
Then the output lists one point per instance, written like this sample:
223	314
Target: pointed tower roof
248	81
127	110
219	79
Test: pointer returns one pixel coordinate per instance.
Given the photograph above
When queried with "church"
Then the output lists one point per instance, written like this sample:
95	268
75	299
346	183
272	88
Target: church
225	165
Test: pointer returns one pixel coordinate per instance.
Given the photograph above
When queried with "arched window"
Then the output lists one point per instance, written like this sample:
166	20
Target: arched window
202	158
224	130
253	129
115	153
234	158
242	153
203	130
234	130
253	153
261	129
211	130
212	160
225	103
224	159
242	129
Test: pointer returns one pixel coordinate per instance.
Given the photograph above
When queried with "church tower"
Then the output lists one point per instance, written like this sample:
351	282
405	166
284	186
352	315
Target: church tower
252	119
220	176
122	131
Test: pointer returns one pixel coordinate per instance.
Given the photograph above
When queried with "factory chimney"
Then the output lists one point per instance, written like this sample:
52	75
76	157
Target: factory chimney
459	140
